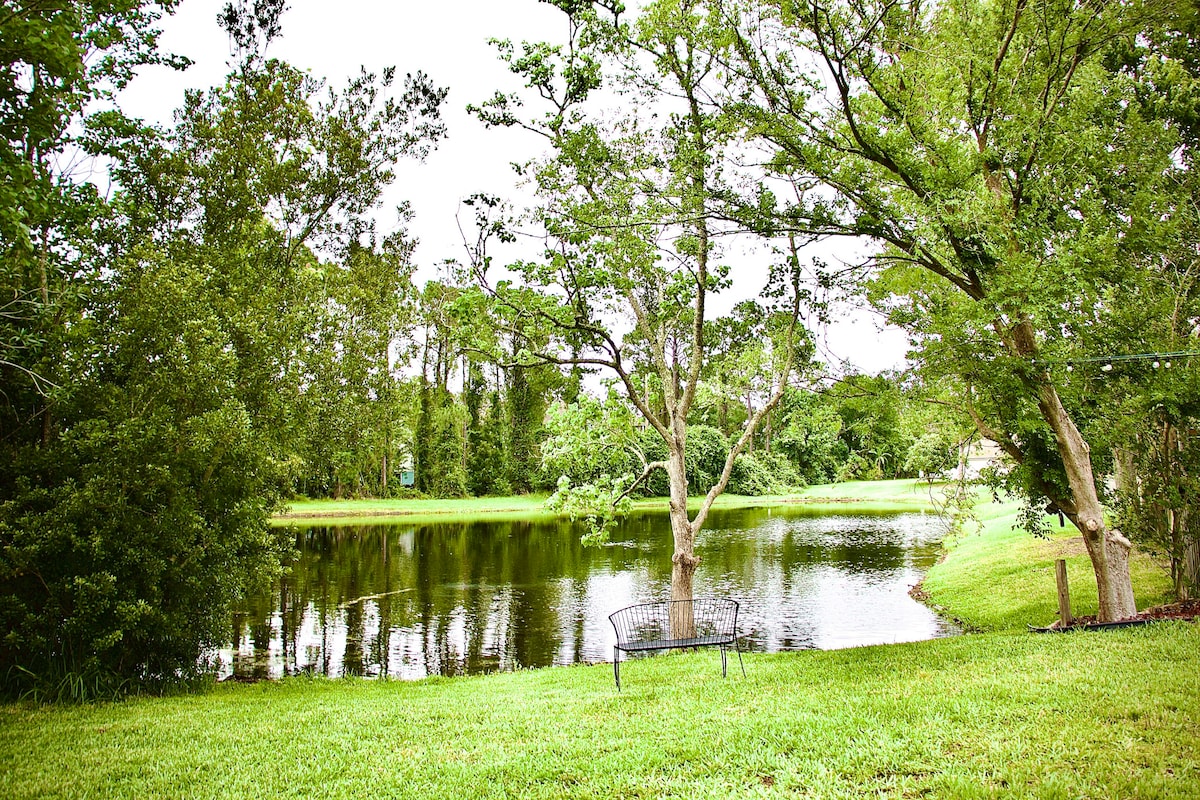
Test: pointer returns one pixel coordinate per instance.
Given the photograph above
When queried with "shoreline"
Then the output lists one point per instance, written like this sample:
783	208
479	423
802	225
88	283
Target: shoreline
897	495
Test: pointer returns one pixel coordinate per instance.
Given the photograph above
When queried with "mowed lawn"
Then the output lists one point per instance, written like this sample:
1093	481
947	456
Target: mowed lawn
1004	713
892	495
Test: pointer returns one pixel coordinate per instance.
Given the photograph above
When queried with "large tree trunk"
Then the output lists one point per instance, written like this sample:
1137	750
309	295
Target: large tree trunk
1106	547
684	560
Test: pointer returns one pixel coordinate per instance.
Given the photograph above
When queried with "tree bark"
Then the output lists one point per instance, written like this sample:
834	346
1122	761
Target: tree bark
1183	545
1107	548
1187	580
683	560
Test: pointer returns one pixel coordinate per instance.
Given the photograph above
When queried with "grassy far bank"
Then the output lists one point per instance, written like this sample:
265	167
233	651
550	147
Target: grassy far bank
873	495
999	577
998	714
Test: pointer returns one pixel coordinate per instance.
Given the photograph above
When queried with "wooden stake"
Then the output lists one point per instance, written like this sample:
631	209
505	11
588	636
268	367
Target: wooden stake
1065	619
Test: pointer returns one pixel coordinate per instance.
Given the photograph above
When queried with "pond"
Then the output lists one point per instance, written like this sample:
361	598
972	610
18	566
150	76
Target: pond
453	598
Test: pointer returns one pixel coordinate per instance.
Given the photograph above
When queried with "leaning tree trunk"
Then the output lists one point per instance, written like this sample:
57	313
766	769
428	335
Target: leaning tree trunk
1107	548
684	560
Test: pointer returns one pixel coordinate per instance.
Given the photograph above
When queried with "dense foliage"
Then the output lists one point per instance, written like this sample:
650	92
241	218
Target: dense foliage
233	325
165	339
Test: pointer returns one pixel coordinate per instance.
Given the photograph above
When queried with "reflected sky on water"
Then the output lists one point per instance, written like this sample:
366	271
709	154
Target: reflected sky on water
453	598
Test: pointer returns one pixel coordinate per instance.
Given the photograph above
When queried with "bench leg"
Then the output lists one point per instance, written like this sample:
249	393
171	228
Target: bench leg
737	646
617	666
724	673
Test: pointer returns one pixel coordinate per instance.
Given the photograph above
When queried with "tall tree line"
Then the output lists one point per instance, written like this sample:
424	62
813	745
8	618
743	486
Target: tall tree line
160	343
229	326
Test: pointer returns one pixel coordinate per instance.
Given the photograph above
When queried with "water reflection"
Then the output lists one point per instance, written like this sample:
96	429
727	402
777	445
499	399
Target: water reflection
464	598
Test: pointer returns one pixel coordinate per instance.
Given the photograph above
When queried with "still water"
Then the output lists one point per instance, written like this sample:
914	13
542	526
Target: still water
453	598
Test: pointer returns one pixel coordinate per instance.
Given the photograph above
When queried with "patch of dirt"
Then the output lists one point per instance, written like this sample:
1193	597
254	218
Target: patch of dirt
1186	610
918	593
243	679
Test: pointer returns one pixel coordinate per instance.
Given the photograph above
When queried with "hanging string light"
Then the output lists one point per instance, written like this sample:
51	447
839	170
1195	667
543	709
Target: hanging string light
1108	363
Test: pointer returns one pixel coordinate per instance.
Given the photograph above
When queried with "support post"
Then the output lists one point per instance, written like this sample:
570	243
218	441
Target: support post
1065	620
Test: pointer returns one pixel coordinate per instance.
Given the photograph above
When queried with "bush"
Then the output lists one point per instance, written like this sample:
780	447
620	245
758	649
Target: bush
931	455
787	476
126	544
707	449
857	468
756	475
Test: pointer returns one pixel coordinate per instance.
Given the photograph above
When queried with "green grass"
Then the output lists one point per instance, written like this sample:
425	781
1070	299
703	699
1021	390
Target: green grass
905	491
1000	715
1006	713
1002	578
867	496
367	509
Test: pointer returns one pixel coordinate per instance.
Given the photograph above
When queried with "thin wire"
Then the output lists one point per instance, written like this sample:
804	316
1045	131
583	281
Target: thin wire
1124	357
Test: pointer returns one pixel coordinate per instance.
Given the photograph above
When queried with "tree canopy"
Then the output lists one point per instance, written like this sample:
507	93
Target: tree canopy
231	325
999	154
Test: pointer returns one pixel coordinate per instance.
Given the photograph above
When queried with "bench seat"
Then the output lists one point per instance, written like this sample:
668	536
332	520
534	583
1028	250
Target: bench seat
672	644
647	627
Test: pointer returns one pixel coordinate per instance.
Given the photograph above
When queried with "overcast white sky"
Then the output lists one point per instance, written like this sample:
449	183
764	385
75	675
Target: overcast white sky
447	39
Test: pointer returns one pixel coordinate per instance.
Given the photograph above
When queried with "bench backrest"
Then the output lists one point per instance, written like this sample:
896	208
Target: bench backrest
710	616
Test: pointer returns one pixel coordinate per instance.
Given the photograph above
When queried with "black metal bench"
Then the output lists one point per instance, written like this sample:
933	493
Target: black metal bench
676	624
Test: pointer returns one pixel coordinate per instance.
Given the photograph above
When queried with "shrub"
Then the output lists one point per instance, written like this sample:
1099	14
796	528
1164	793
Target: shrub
126	545
857	468
756	475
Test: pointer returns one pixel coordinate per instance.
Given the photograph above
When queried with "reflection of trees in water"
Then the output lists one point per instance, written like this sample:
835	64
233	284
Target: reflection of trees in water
455	598
436	599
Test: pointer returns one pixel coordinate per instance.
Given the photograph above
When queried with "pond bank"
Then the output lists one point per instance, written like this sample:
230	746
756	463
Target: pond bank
999	554
897	495
998	714
412	597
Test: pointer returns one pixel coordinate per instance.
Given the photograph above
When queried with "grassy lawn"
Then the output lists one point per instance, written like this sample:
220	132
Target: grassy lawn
876	495
524	505
1002	578
998	714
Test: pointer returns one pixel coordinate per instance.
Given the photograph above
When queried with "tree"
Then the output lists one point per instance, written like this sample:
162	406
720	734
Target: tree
353	395
487	465
1153	413
1002	168
808	435
526	403
632	210
153	431
439	437
55	59
871	407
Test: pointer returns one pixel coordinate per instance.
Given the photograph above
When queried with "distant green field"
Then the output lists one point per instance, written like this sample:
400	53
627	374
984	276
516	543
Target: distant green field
877	495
